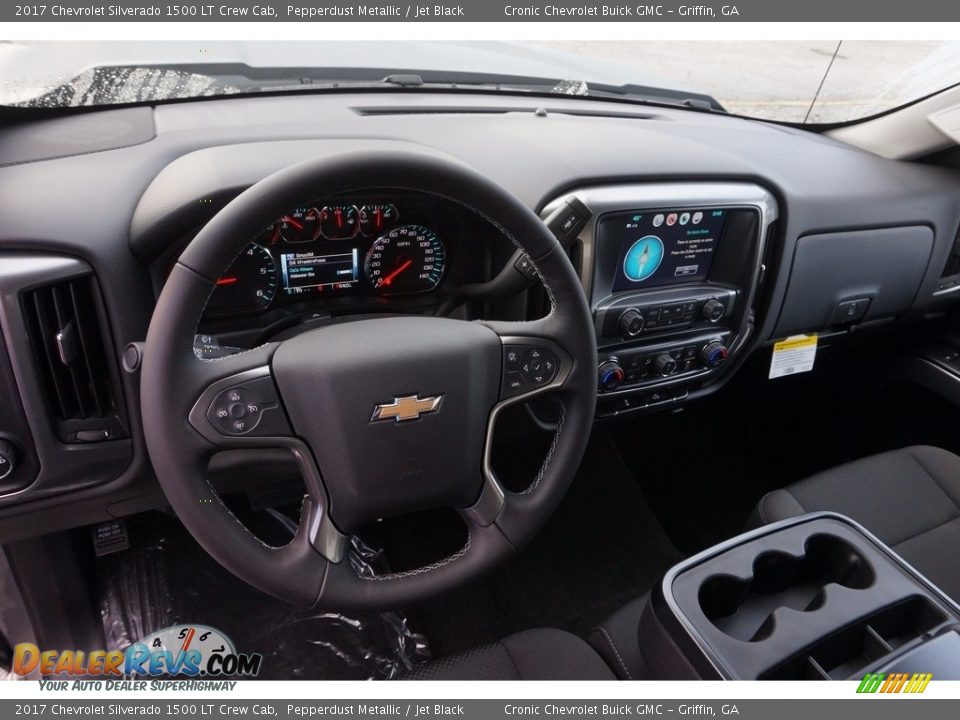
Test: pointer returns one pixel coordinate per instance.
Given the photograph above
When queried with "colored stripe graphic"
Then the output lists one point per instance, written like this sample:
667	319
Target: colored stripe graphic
894	683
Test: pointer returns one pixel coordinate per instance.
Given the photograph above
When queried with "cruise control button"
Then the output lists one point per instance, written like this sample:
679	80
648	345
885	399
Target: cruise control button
525	267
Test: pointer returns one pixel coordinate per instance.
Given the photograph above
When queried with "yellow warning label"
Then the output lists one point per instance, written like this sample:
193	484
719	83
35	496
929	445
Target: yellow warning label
794	355
795	343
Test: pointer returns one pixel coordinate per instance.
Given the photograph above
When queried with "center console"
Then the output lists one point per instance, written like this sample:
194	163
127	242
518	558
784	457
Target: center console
811	598
672	272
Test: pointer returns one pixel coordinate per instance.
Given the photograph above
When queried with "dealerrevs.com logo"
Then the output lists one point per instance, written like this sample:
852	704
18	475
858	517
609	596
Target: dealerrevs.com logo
180	650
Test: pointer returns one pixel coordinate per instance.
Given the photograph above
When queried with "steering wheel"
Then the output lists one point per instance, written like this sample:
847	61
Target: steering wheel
385	416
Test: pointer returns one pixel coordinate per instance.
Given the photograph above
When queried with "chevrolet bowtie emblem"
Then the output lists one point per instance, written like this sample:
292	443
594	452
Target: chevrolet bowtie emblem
409	407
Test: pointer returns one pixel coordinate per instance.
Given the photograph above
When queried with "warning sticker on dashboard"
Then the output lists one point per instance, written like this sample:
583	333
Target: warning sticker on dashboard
793	355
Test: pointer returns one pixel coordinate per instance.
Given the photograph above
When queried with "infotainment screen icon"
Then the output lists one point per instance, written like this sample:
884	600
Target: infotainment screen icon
643	258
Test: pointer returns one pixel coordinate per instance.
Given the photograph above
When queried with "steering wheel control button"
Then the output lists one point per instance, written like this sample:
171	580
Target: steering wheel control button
513	384
539	366
246	407
526	368
524	265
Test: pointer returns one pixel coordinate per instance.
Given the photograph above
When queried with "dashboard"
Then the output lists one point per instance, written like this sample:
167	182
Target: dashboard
371	253
354	247
701	232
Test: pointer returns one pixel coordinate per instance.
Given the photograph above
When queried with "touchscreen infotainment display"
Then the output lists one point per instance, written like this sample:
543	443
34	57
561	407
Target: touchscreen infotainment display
664	247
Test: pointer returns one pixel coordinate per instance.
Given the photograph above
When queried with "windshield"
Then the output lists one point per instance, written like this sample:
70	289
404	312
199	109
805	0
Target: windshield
812	82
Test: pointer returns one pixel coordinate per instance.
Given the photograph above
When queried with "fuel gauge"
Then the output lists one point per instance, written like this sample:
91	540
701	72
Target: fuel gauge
339	222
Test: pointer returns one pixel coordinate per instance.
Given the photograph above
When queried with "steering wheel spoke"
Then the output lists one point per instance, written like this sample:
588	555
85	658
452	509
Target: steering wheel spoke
238	404
239	408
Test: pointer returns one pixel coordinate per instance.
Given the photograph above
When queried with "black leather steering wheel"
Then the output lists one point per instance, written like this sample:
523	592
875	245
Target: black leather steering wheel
384	416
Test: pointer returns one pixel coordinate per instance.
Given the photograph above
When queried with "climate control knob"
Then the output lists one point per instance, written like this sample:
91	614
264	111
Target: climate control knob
631	323
8	458
713	310
664	365
714	353
610	375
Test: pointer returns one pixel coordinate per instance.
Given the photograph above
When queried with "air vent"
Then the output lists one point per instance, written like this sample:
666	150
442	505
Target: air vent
65	327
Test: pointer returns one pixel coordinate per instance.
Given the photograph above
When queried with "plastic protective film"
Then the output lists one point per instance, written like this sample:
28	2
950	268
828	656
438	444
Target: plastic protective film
166	579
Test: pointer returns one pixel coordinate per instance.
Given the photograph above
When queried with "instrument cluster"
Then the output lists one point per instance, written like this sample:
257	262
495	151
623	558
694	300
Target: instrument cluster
353	247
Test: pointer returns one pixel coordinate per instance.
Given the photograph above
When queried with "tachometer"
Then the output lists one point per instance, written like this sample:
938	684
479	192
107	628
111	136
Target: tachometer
408	259
249	284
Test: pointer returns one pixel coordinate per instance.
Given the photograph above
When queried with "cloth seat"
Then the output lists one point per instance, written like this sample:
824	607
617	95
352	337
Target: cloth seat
542	654
909	498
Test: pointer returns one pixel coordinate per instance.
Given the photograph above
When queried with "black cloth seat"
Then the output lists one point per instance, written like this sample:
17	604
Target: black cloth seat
909	498
541	654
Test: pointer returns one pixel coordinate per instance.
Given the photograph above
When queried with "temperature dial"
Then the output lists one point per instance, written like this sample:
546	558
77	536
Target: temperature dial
610	375
714	353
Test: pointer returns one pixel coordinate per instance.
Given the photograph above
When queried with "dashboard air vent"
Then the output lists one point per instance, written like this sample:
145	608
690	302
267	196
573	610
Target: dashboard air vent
66	330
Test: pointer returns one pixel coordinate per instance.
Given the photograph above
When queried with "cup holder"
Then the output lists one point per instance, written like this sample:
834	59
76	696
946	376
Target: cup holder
743	609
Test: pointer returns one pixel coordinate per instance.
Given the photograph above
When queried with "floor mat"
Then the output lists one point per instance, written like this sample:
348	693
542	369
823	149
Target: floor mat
602	548
166	578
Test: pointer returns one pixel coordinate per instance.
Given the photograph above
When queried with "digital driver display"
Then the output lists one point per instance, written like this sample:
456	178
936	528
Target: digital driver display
664	247
304	272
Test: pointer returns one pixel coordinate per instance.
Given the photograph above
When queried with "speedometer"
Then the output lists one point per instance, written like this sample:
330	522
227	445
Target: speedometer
409	259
